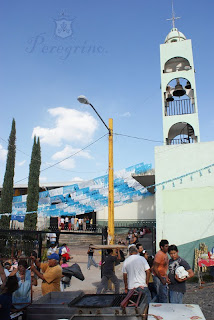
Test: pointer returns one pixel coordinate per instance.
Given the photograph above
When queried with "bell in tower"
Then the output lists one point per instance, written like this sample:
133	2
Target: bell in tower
178	89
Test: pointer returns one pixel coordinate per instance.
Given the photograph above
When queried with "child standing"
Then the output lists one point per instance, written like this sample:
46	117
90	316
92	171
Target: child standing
91	258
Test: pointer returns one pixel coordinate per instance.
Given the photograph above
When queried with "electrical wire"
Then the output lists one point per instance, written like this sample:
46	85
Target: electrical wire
56	167
171	147
72	155
133	137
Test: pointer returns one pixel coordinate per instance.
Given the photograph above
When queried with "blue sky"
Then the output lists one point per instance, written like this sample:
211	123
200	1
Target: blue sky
112	57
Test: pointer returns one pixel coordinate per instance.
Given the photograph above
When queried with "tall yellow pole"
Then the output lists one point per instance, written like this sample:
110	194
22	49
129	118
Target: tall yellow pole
111	186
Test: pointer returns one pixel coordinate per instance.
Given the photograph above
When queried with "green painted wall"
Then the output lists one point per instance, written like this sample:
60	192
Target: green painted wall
186	251
194	199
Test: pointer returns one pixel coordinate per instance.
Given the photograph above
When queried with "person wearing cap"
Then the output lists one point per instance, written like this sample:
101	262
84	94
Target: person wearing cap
51	273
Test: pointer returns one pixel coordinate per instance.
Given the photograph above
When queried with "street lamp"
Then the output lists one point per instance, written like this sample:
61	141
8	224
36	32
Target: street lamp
84	100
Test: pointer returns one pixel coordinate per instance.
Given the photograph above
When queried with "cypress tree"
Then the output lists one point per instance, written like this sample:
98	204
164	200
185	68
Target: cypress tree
7	190
33	186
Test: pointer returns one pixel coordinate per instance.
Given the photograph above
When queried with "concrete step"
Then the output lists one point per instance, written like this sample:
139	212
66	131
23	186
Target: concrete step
80	239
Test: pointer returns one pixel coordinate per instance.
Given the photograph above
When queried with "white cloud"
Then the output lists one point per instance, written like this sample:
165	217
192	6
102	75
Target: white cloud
21	163
70	125
67	164
66	152
126	114
3	153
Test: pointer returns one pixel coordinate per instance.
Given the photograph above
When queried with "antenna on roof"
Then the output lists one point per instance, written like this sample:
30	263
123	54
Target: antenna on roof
173	17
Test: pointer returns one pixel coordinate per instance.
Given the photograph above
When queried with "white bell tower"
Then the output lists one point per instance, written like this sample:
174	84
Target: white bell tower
178	90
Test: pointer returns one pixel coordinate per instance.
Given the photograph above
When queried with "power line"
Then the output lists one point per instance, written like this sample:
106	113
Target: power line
133	137
171	147
56	167
72	155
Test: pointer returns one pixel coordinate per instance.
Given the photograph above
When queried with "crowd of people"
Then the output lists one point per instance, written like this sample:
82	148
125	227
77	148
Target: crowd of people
135	233
160	278
74	224
18	276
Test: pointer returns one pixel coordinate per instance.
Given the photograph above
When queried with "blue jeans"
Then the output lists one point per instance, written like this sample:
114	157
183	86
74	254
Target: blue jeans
91	261
147	293
175	297
212	271
162	291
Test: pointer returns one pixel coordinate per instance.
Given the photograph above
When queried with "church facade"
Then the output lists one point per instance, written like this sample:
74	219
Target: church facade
183	165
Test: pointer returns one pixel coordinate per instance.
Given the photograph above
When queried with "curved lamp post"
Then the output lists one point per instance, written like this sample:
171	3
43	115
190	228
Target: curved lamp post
84	100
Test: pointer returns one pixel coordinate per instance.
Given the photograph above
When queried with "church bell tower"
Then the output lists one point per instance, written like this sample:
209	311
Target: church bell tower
178	89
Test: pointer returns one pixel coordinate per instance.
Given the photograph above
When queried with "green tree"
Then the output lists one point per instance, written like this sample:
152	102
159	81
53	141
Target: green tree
7	190
33	186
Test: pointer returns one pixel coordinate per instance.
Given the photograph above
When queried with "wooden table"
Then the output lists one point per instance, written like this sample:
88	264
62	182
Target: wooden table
108	246
203	263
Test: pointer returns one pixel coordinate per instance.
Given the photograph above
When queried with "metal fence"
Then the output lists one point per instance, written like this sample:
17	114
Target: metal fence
179	107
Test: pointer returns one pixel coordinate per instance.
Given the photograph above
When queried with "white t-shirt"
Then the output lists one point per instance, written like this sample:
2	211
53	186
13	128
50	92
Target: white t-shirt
135	266
64	250
62	220
66	219
51	250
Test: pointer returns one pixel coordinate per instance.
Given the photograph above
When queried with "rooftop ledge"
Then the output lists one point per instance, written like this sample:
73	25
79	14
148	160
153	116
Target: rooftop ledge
146	179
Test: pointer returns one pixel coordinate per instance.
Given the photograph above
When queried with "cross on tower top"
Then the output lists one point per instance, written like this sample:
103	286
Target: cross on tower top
173	16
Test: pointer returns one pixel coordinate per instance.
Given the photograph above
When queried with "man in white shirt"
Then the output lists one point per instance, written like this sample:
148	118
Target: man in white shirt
62	223
80	224
136	273
66	223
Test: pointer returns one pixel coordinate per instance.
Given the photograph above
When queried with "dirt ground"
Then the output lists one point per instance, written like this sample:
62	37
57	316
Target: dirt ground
204	296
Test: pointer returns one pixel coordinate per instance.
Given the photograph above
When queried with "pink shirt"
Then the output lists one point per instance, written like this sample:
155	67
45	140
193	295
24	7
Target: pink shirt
64	265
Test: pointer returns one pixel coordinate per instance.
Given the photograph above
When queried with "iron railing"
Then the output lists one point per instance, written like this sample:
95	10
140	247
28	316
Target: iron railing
179	107
180	141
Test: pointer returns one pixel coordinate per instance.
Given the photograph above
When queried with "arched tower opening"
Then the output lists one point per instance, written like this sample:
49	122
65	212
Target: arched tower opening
180	133
177	64
179	97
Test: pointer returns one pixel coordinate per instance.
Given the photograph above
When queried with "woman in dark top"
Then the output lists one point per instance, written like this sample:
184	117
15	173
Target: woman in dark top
134	239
